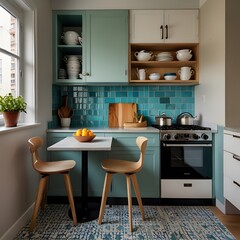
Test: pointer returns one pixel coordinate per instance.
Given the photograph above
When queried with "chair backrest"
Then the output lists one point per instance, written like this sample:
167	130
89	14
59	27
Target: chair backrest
34	144
142	145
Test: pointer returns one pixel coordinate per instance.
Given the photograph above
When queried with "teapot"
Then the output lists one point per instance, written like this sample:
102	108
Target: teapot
143	55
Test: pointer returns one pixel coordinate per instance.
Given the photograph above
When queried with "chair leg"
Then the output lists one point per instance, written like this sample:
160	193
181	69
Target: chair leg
41	188
137	192
70	196
44	198
106	188
128	178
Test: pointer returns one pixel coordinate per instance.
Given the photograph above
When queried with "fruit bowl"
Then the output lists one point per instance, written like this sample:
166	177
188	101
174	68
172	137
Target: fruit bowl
84	138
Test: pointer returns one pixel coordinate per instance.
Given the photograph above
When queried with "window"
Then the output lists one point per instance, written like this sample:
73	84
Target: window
17	54
9	53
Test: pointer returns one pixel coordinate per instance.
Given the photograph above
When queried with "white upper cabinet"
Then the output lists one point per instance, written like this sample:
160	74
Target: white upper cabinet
164	26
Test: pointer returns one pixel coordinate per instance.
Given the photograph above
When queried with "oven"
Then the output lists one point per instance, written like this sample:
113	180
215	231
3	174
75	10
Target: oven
186	161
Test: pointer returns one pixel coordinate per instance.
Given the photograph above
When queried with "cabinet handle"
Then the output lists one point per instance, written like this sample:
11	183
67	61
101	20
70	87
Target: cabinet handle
236	136
161	28
236	183
85	74
236	157
166	31
187	184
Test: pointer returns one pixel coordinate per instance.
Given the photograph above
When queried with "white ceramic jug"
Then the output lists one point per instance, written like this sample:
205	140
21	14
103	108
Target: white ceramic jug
185	73
141	74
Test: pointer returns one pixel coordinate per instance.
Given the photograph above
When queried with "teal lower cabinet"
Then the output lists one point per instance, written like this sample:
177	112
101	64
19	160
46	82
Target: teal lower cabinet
123	147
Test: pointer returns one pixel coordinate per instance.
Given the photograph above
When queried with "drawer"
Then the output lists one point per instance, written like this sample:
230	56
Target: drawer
232	143
186	188
232	166
232	192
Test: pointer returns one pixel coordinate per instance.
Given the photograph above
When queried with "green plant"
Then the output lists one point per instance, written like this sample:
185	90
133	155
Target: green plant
11	103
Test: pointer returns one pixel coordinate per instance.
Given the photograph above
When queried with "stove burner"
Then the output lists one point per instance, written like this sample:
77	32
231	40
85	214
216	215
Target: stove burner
180	127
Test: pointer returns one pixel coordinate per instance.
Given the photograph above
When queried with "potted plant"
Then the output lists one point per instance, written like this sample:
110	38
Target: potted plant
11	106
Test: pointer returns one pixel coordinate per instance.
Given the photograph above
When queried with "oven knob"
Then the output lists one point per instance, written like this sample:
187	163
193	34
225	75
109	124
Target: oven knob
204	136
186	135
176	136
166	136
195	136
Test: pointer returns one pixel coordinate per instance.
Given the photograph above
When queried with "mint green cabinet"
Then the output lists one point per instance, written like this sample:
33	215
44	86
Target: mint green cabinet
123	147
104	49
64	21
107	48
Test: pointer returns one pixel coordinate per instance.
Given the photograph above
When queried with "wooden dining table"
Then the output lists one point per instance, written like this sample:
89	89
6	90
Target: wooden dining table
85	211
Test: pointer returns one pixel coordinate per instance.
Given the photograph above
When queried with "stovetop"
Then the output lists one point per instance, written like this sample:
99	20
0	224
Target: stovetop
181	127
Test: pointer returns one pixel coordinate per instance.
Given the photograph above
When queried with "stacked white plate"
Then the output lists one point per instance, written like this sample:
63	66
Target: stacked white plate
73	66
164	56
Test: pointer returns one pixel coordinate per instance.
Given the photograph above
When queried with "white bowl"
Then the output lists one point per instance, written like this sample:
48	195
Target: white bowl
70	38
170	77
184	56
154	76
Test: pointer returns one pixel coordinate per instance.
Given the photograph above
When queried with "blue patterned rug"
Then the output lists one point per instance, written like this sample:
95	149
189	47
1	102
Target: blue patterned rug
162	222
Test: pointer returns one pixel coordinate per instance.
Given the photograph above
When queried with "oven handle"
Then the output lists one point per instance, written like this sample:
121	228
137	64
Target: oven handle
187	145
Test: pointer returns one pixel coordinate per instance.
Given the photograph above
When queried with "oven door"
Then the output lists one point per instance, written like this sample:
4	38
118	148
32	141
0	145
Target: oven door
186	160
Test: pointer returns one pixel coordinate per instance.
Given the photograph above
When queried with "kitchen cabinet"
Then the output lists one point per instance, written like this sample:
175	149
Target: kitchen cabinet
107	46
67	21
154	66
164	26
104	48
232	167
123	146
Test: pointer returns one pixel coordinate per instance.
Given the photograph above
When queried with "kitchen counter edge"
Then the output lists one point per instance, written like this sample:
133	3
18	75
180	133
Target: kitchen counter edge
107	129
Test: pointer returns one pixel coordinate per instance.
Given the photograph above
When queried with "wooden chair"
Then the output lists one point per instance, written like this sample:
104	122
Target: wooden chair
129	168
46	169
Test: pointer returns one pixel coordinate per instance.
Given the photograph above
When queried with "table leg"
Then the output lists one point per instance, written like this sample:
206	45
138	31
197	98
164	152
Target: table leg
85	211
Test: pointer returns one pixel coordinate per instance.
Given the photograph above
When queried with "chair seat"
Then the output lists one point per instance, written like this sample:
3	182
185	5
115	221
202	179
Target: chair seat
55	167
120	166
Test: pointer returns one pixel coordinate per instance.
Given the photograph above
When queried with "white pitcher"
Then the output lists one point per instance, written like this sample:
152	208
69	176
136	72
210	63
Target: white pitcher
185	73
141	73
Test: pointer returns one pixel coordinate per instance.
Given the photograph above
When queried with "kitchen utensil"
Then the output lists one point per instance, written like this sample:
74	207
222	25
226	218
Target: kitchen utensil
143	55
141	74
185	118
119	113
184	55
60	114
154	76
170	76
185	73
64	109
70	38
164	120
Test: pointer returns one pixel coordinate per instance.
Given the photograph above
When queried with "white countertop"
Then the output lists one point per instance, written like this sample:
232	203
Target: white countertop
109	130
71	144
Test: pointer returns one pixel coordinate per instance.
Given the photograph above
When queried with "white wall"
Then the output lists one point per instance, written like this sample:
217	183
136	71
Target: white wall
210	94
18	182
125	4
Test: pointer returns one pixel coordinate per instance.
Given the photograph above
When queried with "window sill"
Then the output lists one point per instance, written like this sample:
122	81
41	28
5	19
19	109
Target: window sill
20	126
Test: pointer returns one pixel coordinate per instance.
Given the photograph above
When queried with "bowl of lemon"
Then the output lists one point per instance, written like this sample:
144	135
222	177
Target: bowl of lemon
84	135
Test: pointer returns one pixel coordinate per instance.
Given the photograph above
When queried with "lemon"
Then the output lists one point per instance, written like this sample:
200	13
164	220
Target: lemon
79	132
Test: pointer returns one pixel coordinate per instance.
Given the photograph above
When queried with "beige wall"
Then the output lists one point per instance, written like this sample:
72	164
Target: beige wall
210	94
125	4
18	182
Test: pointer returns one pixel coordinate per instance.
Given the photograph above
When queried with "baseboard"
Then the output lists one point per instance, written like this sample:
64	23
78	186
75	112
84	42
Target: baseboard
21	222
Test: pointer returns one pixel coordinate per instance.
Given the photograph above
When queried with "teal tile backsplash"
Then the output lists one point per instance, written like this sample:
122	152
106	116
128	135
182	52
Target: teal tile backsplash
90	103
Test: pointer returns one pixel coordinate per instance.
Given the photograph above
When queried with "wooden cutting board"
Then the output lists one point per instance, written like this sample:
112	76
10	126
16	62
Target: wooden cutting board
119	113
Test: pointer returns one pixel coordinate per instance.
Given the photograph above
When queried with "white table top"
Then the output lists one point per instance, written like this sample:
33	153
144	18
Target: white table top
71	144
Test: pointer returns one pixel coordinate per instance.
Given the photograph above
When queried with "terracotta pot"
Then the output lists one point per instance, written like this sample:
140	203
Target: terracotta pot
11	118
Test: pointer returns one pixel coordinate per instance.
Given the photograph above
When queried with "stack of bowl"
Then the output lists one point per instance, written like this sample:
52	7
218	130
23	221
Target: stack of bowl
184	55
73	66
164	56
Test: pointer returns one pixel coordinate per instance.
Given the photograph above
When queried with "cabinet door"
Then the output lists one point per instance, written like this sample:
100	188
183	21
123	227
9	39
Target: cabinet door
182	26
107	48
146	26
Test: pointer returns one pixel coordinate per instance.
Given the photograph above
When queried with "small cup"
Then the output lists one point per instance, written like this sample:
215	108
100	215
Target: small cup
65	122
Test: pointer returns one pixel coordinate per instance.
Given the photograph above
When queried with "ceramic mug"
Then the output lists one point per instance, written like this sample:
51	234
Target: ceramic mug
141	74
185	73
